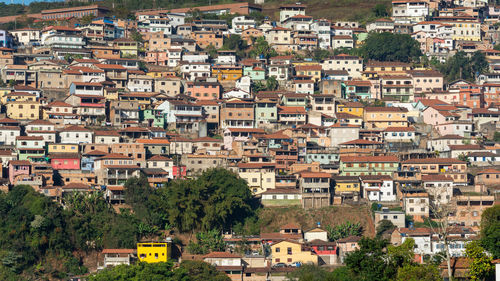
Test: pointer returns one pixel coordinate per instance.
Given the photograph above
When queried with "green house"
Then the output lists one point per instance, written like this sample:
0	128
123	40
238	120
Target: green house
155	117
30	148
255	73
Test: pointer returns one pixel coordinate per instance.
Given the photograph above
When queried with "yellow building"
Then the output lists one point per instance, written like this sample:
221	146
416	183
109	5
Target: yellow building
466	31
314	71
62	148
259	176
354	108
227	72
154	252
127	47
291	252
346	184
374	69
111	93
385	117
23	110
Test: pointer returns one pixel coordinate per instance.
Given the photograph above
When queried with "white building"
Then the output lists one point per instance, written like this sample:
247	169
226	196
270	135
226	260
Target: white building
439	188
193	70
352	64
378	188
242	23
323	28
409	11
76	135
8	134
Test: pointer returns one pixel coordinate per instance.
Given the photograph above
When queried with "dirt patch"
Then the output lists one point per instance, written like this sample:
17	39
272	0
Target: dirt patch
273	218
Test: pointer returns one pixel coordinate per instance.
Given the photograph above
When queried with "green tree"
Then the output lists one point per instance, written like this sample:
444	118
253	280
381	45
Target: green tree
209	241
385	226
343	230
463	157
496	137
369	261
309	273
258	86
391	47
217	199
136	36
490	230
460	66
188	270
262	48
33	228
417	272
380	10
480	267
272	84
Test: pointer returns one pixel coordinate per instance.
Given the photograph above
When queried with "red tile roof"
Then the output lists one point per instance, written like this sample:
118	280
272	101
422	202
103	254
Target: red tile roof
368	159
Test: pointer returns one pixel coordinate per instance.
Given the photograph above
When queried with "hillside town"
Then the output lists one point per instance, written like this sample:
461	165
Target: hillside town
286	103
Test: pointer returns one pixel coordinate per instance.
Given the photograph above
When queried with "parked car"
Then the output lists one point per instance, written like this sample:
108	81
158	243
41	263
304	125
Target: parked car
279	265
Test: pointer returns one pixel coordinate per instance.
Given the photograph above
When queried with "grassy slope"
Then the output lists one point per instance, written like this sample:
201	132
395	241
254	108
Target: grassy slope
330	9
273	218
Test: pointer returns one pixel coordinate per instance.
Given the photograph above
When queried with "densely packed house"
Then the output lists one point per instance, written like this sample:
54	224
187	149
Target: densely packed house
86	106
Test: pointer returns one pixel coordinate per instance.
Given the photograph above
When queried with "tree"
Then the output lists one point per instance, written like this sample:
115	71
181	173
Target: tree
460	66
416	272
384	226
188	270
258	86
209	241
262	49
343	230
369	262
272	84
441	212
496	137
380	10
217	199
463	157
391	47
309	273
480	267
136	36
490	230
198	271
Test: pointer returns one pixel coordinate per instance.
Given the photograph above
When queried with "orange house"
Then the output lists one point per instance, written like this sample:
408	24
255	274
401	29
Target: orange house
471	96
206	38
203	90
157	57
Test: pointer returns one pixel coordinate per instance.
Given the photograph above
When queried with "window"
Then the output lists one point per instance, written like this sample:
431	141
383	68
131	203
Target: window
277	250
289	251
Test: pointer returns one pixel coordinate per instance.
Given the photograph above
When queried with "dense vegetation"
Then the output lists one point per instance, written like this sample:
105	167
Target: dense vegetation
34	234
217	199
39	237
490	230
462	66
188	270
375	260
391	47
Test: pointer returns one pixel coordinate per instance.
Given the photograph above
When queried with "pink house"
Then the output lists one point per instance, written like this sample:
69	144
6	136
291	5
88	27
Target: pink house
203	90
436	115
179	172
157	57
18	167
65	161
